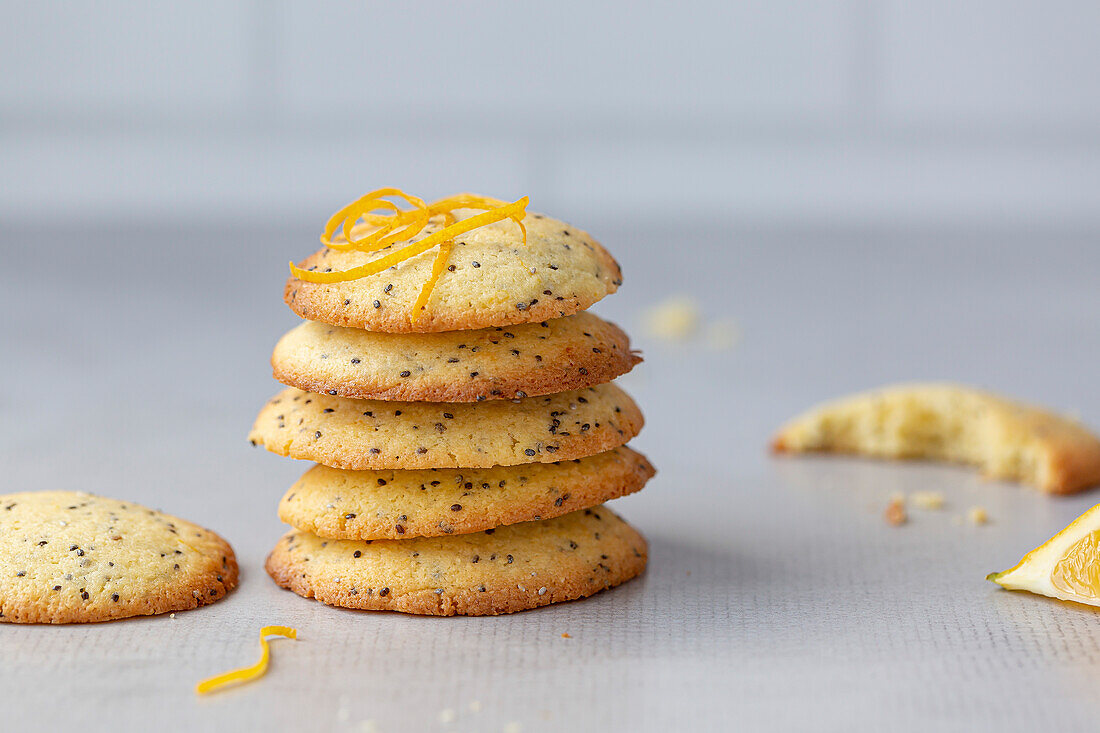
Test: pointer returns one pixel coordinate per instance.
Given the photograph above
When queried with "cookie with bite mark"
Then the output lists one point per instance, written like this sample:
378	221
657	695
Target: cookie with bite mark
955	423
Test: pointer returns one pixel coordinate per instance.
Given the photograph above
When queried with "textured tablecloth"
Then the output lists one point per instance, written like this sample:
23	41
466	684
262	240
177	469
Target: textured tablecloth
776	596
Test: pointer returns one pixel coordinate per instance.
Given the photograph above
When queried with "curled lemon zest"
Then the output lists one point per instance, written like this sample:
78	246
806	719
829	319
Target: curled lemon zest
396	224
247	674
514	211
437	270
465	201
363	208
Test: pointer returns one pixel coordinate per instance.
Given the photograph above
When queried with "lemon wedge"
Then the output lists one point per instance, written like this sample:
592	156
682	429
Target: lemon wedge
1067	566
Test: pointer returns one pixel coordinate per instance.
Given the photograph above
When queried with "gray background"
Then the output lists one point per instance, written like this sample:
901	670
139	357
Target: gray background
874	191
830	112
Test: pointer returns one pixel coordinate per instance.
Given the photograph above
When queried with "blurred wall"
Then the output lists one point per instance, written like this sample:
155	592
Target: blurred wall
979	113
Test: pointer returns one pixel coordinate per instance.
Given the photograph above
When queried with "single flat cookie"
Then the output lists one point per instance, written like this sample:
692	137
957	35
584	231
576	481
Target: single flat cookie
948	422
70	557
492	279
455	366
369	505
373	434
484	574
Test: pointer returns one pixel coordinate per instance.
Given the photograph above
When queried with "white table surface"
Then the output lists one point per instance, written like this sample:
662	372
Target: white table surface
776	596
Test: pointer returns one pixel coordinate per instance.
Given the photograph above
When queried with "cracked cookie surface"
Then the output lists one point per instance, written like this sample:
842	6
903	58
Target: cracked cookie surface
955	423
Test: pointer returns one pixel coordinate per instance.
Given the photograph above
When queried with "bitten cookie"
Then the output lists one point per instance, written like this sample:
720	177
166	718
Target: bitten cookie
492	279
373	434
499	571
456	366
948	422
367	505
70	557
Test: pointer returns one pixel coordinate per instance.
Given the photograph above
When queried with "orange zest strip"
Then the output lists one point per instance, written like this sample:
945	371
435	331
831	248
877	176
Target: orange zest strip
362	208
437	270
247	674
366	214
514	211
465	201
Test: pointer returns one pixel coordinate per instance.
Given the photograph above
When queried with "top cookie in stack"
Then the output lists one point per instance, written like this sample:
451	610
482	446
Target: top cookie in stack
493	278
449	382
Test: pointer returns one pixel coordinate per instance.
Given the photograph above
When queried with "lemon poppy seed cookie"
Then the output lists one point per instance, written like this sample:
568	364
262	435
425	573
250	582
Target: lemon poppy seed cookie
373	434
953	423
70	557
367	505
508	569
492	278
456	366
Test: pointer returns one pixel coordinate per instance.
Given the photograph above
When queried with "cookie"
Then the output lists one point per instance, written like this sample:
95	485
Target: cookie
506	362
1005	439
498	571
368	505
374	434
492	279
71	557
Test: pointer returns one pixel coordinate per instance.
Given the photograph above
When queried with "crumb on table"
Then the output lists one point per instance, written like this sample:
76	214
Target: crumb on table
895	512
977	515
673	319
930	500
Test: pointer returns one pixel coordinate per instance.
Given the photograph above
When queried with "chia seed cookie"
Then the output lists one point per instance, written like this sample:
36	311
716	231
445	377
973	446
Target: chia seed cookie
71	557
508	569
455	366
492	279
373	434
947	422
368	505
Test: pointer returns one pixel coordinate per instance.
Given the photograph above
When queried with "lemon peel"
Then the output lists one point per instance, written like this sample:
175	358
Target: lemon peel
401	225
247	674
1067	566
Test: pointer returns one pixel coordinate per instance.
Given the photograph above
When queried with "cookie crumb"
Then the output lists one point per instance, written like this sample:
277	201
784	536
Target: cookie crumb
895	512
566	636
977	515
722	335
929	500
673	319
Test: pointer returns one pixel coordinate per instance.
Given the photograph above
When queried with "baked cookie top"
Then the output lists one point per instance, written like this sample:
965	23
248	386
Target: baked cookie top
374	434
456	366
71	557
949	422
491	279
367	505
487	573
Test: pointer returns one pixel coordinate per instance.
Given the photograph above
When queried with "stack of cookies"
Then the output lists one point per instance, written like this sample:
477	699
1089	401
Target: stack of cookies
465	445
